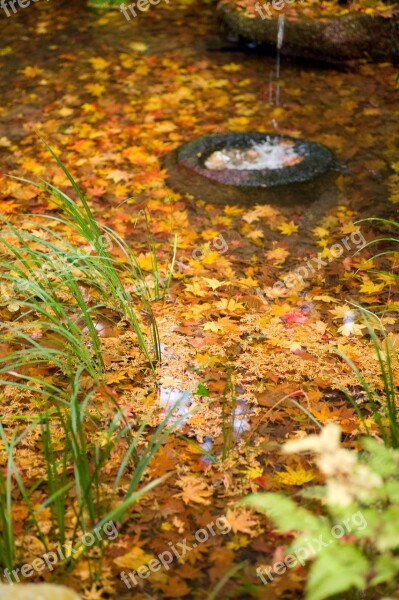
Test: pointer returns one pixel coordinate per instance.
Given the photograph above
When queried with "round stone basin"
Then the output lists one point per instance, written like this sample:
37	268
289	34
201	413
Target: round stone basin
250	167
304	160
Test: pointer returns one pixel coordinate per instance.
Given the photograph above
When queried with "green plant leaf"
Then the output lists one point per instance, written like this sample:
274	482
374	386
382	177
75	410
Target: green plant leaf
382	460
388	532
284	512
387	568
202	391
335	571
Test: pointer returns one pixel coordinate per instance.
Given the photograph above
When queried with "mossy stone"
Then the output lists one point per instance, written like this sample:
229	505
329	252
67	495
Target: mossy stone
302	183
332	39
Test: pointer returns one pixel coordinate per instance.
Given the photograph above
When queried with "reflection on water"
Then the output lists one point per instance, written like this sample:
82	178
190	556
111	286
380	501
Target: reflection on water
241	421
151	91
182	401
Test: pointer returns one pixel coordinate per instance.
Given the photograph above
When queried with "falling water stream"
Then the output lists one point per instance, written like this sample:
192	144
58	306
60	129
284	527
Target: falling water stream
280	39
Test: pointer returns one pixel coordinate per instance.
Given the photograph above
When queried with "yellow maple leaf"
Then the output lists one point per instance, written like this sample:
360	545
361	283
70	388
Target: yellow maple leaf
223	220
95	89
342	312
99	63
197	310
254	472
369	287
195	289
209	234
255	235
281	309
351	328
32	72
321	232
266	212
248	282
295	476
145	261
88	107
115	377
179	220
30	164
288	228
242	520
294	346
233	210
238	542
212	326
325	298
365	264
138	46
349	351
116	175
388	278
65	112
137	156
210	258
214	284
206	360
224	324
135	558
323	415
230	305
232	68
194	490
9	207
277	255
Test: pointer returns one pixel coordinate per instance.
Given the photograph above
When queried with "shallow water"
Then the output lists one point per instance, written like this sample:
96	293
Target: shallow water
172	88
114	97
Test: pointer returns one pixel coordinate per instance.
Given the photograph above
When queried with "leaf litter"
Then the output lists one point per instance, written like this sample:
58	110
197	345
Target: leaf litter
237	355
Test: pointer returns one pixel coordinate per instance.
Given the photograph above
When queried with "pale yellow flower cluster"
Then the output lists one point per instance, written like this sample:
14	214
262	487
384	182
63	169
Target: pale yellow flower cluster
348	480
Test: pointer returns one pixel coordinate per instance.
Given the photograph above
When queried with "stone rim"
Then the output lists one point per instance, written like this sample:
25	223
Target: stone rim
317	160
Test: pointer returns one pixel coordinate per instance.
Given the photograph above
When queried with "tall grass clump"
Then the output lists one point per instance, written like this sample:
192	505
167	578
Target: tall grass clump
383	401
90	473
47	276
59	273
390	243
49	269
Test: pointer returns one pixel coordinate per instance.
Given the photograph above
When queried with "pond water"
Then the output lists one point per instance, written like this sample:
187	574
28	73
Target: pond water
163	82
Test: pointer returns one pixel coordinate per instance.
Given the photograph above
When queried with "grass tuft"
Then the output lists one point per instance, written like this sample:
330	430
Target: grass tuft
58	275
